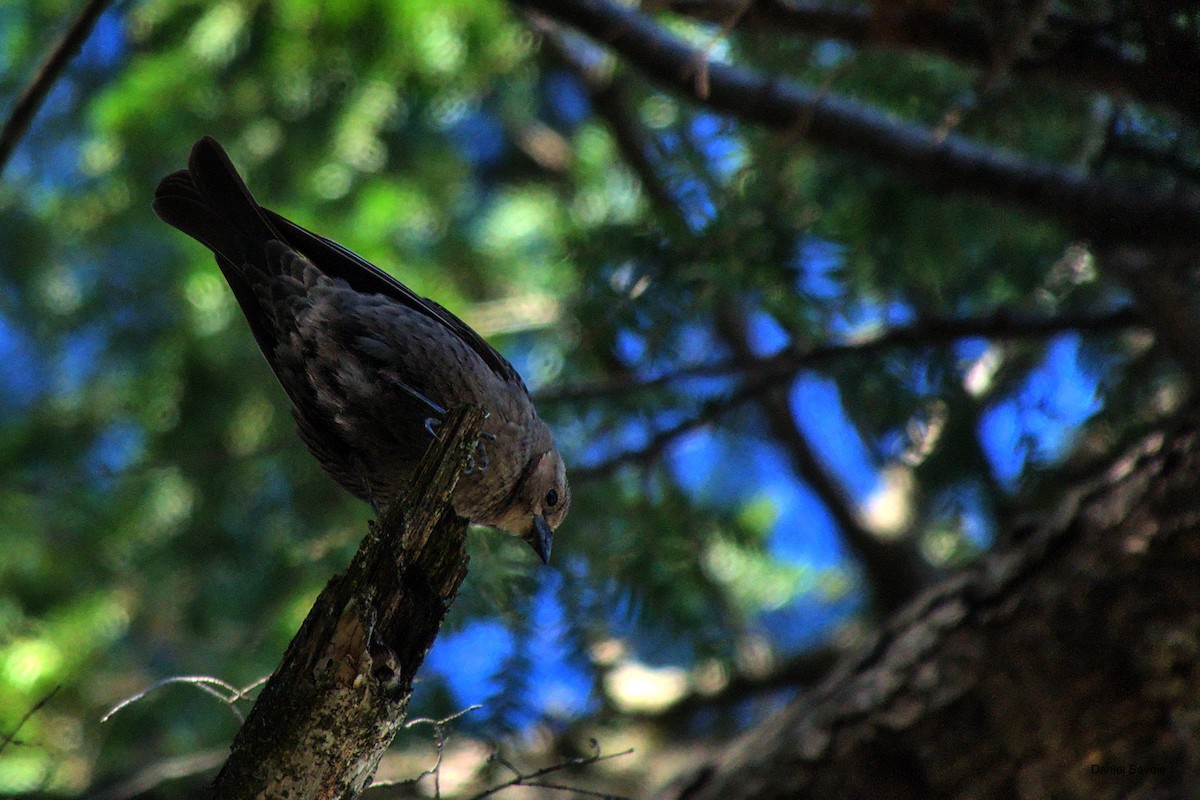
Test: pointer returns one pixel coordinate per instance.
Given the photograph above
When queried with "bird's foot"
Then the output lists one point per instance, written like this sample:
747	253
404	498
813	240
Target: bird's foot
431	422
481	448
472	465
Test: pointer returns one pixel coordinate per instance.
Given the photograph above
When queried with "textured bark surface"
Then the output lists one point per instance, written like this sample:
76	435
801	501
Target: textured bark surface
335	703
1065	665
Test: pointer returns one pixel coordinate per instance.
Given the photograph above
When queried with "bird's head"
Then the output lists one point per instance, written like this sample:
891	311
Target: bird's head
540	503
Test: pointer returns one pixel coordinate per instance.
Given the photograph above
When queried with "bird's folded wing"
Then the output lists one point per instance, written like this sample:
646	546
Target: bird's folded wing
363	276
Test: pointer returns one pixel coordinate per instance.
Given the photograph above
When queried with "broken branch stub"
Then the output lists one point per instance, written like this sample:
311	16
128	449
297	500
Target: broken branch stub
338	698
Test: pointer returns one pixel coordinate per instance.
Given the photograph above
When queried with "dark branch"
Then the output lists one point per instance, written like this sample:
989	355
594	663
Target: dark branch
659	442
535	778
1157	283
785	364
30	100
1033	637
1103	208
890	576
609	102
889	566
11	738
1067	49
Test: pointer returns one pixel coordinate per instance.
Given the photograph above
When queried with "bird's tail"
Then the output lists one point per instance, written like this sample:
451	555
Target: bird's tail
209	202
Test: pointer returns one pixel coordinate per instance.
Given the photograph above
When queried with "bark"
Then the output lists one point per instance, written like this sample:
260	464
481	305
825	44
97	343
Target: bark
1160	283
336	702
1065	664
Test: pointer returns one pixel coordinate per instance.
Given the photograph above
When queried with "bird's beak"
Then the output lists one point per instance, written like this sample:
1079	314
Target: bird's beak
540	539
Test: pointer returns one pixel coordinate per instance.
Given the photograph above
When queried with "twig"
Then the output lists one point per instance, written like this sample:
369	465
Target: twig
727	24
659	442
26	106
205	683
532	779
11	738
439	744
439	723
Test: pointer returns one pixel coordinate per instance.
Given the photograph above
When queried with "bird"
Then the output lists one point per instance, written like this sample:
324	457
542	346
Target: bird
369	366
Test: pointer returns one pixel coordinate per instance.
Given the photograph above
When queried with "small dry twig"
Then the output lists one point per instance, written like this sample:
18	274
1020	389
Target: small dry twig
534	778
227	693
439	744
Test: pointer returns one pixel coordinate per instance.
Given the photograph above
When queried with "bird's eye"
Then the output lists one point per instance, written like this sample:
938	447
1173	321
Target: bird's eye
552	498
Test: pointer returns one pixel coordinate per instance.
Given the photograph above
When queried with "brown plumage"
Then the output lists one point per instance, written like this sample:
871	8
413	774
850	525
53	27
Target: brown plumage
369	366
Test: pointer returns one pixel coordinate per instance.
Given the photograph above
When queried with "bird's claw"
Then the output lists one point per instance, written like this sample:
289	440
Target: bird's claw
431	422
483	463
481	448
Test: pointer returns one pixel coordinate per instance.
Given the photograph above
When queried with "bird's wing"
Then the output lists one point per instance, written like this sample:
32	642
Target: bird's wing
210	202
363	276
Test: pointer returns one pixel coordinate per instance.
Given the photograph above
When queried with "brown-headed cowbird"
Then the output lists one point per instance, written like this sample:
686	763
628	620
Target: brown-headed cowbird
369	366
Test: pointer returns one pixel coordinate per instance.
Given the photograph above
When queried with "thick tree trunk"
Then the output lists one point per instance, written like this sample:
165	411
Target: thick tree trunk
1066	664
335	703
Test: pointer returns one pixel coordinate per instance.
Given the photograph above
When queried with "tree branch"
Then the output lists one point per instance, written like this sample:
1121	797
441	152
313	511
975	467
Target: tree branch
336	702
1081	52
1156	281
534	779
608	99
658	443
1103	208
1000	326
1031	673
889	566
11	738
27	104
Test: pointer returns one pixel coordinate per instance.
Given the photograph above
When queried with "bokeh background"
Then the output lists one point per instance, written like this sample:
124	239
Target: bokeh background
791	385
